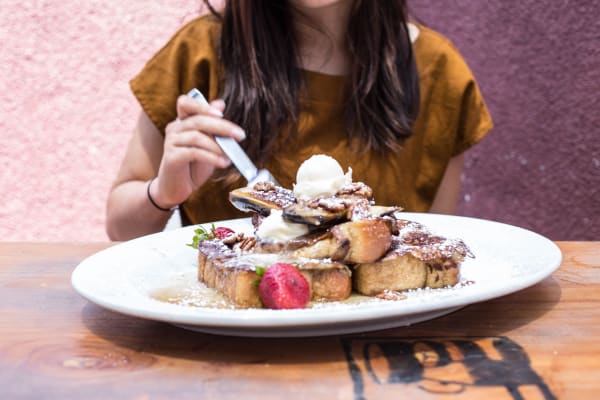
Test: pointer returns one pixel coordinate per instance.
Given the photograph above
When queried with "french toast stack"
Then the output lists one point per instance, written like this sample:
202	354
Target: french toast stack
352	245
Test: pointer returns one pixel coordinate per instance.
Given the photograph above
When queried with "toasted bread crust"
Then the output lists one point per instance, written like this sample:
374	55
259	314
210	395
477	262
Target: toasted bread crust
261	200
234	274
367	240
238	285
351	242
329	284
403	273
396	273
415	259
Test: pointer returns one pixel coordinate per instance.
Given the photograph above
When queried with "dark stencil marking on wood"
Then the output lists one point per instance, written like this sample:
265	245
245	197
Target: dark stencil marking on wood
476	363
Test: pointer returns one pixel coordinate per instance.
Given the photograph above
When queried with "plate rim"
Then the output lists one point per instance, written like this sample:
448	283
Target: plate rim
303	318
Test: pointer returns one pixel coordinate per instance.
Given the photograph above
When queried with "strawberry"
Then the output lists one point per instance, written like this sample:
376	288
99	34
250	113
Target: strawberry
222	232
283	287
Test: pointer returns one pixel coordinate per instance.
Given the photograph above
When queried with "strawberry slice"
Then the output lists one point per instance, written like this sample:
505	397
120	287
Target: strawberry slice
222	232
283	287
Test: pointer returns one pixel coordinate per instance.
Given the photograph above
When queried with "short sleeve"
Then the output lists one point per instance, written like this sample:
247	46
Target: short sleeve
188	60
474	120
467	117
453	115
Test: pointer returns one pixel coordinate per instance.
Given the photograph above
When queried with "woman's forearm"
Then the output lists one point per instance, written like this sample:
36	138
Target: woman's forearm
130	213
446	199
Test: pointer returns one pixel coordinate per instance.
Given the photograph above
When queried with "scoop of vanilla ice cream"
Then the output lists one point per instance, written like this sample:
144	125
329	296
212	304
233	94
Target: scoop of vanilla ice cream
320	175
274	227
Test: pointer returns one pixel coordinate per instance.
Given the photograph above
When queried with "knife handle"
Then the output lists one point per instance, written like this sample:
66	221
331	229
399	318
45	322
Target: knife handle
230	147
196	94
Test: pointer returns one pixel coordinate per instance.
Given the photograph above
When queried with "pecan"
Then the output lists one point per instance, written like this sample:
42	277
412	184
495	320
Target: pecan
358	189
314	203
233	239
248	243
264	186
332	204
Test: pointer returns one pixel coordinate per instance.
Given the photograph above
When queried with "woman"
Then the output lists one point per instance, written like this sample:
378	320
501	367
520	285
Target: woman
289	79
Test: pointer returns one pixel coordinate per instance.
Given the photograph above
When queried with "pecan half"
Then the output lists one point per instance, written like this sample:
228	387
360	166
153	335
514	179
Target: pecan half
248	243
264	186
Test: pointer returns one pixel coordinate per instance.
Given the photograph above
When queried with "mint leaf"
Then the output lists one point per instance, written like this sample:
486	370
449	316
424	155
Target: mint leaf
201	234
260	271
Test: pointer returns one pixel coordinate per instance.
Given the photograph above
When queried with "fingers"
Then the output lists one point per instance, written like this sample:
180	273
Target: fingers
202	156
197	132
188	146
190	151
206	118
211	126
219	104
193	140
187	106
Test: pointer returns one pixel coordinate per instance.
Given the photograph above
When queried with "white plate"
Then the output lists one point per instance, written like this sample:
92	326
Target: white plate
129	277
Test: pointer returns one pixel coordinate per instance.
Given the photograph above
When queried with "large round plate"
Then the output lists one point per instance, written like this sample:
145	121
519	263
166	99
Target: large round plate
126	278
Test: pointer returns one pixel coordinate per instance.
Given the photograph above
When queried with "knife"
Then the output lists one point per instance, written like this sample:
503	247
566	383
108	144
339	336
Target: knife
236	154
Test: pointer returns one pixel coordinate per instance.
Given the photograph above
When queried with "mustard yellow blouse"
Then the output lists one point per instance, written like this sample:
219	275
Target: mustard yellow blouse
452	118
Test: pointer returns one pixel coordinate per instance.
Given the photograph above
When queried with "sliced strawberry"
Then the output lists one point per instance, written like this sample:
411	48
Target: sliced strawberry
222	232
283	287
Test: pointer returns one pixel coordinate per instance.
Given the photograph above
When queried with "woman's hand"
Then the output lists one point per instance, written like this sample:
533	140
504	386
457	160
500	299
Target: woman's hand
190	153
176	164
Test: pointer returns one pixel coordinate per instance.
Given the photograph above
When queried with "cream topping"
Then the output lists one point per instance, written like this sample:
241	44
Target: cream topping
320	175
275	228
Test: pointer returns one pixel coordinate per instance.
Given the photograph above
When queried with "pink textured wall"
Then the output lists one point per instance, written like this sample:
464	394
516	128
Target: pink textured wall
67	112
66	109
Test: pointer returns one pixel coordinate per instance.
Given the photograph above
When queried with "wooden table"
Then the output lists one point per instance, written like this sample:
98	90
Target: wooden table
539	343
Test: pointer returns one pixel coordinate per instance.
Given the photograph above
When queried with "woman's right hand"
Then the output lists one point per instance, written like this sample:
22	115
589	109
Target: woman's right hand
175	164
190	152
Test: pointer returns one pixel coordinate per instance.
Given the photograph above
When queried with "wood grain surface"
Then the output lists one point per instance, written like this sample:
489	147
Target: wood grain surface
539	343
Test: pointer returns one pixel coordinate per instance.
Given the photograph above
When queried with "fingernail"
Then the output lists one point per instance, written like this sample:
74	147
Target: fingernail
216	112
226	161
239	133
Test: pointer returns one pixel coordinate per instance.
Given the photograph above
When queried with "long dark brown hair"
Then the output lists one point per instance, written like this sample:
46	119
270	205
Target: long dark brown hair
262	81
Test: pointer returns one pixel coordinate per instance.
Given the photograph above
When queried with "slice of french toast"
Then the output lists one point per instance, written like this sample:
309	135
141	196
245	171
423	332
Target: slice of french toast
366	240
354	201
416	259
351	242
232	271
262	198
